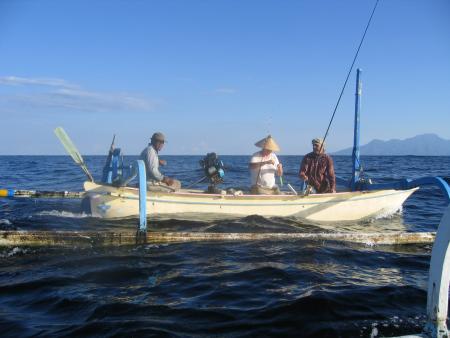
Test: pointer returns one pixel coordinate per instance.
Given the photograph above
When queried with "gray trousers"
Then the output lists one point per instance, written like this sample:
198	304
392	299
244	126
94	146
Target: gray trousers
161	186
258	190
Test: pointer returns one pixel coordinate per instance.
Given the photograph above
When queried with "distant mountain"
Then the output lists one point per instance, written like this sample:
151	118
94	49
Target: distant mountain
420	145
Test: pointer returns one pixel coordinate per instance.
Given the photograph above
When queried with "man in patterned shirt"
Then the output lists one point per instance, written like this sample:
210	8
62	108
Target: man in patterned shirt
317	169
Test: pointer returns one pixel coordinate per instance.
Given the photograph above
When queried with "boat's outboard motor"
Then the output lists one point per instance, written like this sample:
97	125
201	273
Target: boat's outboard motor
214	171
112	171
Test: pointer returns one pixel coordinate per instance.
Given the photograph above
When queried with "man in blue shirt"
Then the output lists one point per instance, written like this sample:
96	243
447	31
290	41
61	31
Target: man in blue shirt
156	181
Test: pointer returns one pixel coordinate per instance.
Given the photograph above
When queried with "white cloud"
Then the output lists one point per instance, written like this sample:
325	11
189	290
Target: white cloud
52	82
59	94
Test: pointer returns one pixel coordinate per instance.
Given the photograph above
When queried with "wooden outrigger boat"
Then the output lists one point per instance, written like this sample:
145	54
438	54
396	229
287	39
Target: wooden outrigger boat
361	200
113	198
118	202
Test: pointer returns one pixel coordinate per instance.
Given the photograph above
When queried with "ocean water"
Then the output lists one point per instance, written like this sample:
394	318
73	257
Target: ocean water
222	289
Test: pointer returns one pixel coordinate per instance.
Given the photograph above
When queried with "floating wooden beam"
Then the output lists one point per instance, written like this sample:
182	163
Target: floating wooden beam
72	238
41	194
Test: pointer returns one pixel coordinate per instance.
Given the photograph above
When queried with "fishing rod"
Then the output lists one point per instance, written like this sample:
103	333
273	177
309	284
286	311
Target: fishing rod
348	75
308	189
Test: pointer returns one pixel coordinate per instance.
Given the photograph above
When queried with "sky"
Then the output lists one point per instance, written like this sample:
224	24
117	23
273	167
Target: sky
218	75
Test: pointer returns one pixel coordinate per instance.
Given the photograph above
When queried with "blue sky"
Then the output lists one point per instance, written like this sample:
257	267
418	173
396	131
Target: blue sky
218	75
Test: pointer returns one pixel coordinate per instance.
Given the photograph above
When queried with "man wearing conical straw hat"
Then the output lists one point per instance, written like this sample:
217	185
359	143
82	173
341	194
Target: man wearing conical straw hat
263	166
317	169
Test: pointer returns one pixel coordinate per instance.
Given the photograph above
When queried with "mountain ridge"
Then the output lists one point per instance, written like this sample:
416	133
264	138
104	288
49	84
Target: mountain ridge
420	145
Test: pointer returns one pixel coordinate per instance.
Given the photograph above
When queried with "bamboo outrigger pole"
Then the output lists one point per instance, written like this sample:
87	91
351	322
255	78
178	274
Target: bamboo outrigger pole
107	238
41	194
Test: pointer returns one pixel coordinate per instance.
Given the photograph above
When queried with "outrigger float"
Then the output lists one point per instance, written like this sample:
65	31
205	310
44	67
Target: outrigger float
361	199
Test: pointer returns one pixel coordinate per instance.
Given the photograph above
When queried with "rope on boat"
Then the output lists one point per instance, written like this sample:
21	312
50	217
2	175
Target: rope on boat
108	238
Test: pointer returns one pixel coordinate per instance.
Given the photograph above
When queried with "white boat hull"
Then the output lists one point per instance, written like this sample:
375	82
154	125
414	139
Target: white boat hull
111	202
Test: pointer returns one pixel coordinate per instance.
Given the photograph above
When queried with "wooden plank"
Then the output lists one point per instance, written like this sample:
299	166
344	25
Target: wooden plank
107	238
41	194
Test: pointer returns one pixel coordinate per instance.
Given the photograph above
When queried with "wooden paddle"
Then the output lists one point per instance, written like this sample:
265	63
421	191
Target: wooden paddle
72	151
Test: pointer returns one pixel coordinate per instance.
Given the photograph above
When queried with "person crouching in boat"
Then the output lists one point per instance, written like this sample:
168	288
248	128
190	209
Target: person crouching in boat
317	169
156	181
263	166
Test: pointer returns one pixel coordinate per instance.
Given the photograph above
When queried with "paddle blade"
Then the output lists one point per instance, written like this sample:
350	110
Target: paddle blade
68	145
72	150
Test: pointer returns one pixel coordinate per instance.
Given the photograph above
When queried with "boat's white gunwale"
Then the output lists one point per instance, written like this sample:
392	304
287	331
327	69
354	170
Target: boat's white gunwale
223	200
127	191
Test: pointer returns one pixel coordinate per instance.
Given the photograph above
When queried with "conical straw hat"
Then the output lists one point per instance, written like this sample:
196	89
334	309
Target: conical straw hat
268	143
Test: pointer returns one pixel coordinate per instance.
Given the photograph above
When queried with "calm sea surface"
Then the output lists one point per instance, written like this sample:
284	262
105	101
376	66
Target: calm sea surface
231	289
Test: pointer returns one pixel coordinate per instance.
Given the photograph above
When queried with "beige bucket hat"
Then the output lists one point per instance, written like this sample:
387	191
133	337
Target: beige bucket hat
158	136
319	141
268	143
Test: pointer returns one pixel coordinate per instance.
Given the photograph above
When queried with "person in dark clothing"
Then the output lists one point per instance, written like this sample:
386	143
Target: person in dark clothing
317	169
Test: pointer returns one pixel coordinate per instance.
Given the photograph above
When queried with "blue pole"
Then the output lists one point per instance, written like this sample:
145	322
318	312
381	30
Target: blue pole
356	167
142	198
